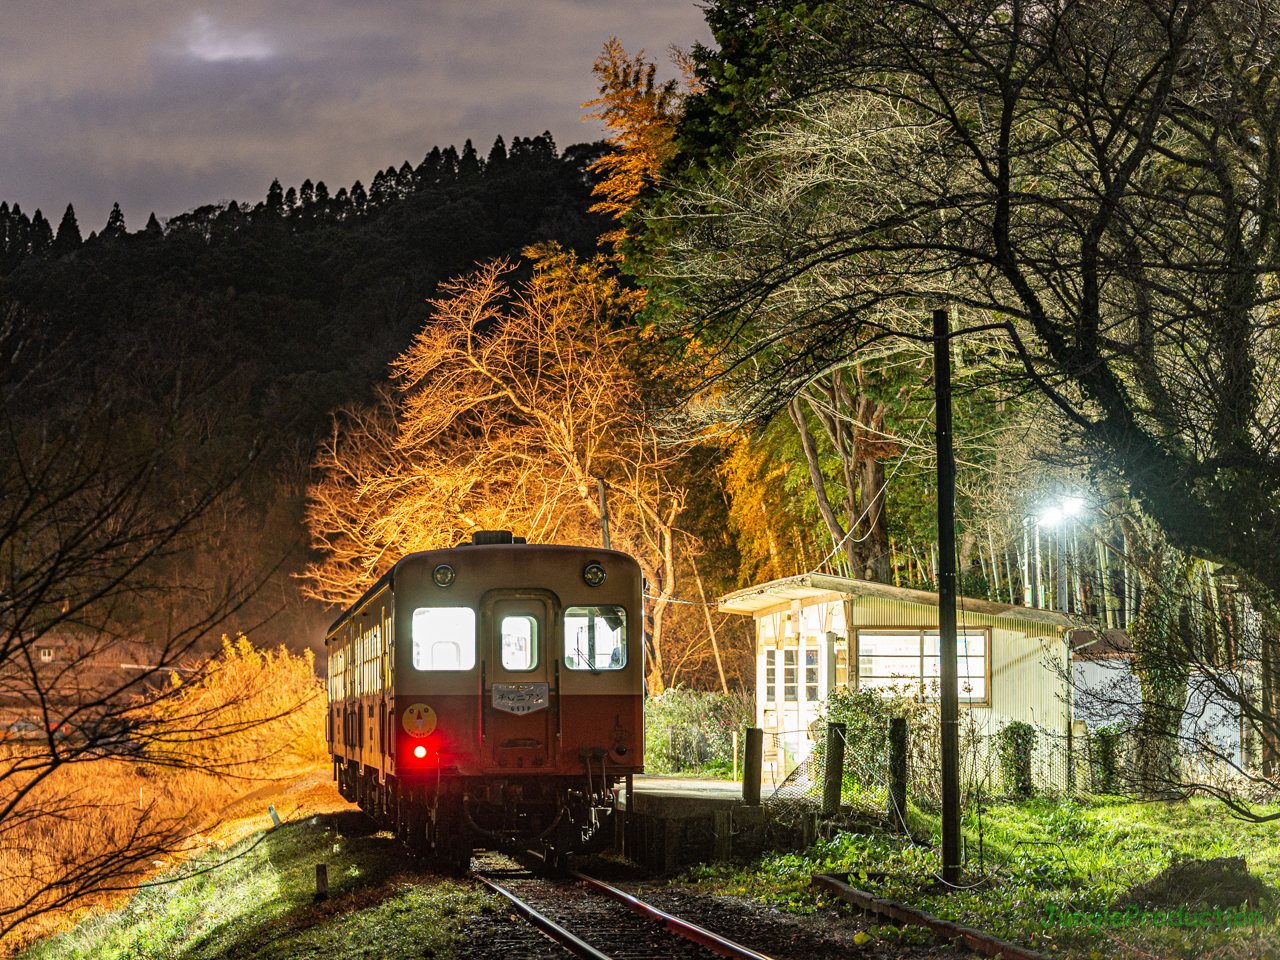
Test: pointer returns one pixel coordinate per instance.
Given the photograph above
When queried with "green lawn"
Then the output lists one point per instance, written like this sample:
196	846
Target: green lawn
259	904
1057	867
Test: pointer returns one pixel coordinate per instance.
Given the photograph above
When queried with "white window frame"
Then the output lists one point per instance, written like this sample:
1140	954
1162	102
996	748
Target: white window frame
919	685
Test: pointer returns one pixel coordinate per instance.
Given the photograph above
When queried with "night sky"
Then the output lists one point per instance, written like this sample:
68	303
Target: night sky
167	105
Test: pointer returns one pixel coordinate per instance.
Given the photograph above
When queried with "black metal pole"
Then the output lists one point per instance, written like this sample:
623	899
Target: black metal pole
950	694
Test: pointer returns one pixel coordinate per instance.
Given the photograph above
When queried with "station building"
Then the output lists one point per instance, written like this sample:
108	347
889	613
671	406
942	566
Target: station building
815	632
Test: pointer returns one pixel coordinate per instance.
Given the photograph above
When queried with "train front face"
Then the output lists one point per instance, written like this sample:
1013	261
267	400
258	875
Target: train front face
518	674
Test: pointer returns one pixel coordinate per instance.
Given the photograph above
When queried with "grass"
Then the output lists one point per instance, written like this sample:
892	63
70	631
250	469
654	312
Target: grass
255	899
1058	867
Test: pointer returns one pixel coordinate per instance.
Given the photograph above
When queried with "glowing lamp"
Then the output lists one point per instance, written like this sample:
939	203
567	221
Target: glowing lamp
1050	517
1072	505
419	752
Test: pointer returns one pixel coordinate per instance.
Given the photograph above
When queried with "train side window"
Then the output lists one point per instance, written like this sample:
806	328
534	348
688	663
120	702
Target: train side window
444	638
595	638
519	643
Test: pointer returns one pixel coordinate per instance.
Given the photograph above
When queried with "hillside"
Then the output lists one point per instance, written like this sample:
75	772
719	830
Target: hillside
264	317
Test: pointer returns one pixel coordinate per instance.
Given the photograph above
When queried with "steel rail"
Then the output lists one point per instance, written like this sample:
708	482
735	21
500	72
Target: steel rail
575	945
683	928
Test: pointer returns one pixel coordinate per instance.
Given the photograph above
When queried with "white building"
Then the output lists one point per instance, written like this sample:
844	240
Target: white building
815	632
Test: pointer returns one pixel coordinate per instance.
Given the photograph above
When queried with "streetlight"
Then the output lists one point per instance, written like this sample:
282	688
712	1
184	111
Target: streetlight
1056	517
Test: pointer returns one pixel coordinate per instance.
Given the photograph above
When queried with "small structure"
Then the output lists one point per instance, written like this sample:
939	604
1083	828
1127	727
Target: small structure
1105	691
815	632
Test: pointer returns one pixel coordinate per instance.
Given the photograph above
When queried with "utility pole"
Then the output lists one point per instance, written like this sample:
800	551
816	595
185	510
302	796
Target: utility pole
946	575
604	513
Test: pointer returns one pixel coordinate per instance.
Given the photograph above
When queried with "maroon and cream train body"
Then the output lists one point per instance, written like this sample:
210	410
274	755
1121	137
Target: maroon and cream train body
490	694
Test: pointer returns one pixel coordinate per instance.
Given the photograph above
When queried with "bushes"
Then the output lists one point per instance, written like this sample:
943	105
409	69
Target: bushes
1016	742
90	827
686	731
1105	744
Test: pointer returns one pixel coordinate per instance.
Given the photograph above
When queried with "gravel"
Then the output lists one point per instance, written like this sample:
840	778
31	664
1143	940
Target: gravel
826	933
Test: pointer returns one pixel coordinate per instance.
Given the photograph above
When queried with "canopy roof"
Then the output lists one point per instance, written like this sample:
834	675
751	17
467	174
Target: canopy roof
753	600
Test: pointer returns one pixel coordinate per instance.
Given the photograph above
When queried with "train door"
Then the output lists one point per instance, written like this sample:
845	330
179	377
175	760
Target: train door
518	671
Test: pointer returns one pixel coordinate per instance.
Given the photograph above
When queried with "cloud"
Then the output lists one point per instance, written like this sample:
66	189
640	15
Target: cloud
206	40
167	104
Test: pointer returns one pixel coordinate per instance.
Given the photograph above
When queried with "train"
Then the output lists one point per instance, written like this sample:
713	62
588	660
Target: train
490	696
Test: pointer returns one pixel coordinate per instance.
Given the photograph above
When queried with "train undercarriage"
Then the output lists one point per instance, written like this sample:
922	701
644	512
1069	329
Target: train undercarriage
445	817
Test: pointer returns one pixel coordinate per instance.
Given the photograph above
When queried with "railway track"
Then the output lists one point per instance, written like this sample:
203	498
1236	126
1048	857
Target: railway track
595	921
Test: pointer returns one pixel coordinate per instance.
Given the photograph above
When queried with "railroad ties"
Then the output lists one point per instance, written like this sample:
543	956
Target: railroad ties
595	921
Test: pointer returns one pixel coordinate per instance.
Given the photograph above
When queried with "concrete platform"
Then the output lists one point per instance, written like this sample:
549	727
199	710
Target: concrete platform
683	796
676	821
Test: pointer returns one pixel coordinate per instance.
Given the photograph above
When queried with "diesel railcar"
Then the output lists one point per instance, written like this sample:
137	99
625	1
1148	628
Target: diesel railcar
490	695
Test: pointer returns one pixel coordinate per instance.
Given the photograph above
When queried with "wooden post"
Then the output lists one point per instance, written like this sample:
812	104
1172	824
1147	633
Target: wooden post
808	829
898	774
752	767
833	771
946	574
322	881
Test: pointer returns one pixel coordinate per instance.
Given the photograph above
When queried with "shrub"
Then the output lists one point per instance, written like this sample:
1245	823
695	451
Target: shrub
691	731
1105	744
1016	742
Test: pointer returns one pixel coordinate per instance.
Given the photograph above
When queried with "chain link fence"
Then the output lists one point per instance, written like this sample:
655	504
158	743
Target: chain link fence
1100	762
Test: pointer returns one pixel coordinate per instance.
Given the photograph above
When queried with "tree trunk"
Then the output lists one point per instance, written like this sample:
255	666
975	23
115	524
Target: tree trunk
818	483
654	680
1270	733
706	609
1160	660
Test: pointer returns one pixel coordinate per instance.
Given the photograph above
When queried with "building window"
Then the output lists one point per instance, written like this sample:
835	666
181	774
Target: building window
811	675
770	675
909	663
46	654
842	666
789	671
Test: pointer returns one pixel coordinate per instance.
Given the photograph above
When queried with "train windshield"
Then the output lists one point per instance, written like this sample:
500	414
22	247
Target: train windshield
595	638
444	638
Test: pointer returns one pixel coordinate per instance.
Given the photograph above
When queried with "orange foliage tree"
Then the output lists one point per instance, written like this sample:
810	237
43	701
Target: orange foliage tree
504	412
641	116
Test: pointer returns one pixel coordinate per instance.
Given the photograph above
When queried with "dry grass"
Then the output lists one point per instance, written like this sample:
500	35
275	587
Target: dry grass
91	831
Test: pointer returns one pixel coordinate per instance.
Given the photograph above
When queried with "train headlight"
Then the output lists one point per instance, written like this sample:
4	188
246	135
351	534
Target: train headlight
593	574
419	752
443	575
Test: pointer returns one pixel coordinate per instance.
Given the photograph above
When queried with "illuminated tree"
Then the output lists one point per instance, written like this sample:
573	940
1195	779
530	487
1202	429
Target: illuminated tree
504	412
641	115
